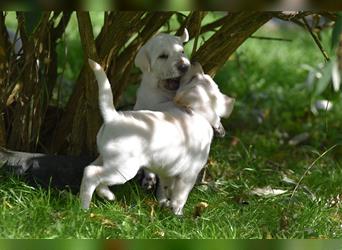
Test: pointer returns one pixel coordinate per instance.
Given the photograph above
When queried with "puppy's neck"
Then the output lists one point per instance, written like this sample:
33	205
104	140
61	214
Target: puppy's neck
151	83
150	95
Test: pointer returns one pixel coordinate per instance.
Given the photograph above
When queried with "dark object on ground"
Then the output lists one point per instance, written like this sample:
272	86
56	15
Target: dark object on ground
56	171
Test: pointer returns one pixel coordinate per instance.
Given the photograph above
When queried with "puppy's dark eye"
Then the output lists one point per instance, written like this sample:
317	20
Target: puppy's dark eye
163	56
182	51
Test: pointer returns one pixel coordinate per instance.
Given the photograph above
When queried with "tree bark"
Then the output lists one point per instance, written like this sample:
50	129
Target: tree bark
191	23
86	120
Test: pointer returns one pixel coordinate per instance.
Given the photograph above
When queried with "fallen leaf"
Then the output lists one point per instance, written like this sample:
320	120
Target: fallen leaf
267	191
199	209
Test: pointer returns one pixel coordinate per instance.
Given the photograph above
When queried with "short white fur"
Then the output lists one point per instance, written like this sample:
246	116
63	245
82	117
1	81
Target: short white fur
174	143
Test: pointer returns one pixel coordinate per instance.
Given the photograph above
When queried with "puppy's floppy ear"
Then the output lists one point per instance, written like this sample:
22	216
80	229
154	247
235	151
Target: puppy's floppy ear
142	61
185	37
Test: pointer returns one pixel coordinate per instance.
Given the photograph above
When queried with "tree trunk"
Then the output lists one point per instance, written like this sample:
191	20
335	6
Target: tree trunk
86	120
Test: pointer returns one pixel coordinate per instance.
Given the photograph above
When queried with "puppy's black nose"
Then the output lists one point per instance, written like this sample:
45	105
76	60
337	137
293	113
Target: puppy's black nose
183	67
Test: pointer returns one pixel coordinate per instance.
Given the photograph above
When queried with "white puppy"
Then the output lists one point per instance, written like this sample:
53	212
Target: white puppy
162	62
174	144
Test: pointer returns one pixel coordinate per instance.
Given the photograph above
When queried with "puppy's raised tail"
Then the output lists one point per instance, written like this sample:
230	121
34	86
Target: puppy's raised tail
106	105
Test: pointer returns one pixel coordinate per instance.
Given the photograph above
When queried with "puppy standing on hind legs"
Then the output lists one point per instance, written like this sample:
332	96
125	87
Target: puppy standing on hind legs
174	143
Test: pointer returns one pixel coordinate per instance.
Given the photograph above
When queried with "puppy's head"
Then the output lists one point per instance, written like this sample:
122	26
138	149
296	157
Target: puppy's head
163	56
199	93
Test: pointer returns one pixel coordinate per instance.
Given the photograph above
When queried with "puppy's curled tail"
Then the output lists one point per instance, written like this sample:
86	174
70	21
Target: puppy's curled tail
107	108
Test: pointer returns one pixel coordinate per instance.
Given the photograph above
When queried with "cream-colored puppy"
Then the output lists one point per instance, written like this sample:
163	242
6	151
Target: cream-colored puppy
162	62
174	143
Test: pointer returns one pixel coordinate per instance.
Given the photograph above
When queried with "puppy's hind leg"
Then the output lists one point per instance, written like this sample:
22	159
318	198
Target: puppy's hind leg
180	193
102	190
90	180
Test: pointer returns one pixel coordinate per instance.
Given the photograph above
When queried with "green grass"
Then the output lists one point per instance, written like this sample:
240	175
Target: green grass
266	78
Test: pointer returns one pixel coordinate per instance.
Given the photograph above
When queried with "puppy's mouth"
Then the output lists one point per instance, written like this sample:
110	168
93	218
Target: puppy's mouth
172	83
